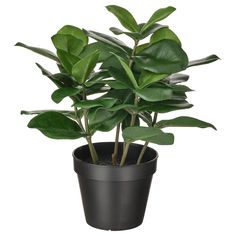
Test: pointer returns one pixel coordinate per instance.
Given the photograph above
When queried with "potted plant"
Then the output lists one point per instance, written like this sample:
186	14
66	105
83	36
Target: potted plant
130	87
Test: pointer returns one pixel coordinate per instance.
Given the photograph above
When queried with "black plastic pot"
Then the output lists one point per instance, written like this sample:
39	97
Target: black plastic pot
114	198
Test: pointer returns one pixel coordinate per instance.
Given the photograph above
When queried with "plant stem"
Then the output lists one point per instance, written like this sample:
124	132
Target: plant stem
115	153
146	143
133	116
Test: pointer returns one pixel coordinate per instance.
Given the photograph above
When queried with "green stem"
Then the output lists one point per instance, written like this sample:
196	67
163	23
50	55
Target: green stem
133	116
146	143
115	153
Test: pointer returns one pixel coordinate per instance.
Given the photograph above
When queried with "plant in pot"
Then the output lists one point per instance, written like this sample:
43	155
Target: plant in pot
114	86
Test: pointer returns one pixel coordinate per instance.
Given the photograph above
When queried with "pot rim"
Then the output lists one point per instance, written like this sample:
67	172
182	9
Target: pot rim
115	166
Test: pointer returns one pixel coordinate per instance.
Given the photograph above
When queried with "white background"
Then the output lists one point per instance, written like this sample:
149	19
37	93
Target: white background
193	192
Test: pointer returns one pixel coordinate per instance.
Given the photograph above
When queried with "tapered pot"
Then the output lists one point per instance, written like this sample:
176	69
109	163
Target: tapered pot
114	197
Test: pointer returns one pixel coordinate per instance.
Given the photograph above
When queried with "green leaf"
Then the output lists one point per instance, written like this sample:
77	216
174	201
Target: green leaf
99	102
103	49
141	47
104	120
75	32
125	17
67	60
128	72
180	88
132	35
158	15
147	78
177	78
152	29
153	94
164	33
109	40
147	134
62	93
203	61
70	114
97	77
41	51
184	121
68	43
166	106
164	57
82	69
57	126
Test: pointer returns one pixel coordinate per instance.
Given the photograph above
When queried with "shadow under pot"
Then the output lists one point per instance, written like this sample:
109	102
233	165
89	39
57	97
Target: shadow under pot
114	197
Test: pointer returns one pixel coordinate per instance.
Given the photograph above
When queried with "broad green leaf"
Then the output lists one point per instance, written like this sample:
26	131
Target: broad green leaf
153	94
57	126
152	29
41	51
133	35
115	84
177	78
125	17
62	93
147	134
67	60
184	121
75	32
164	33
99	102
203	61
158	15
70	114
68	43
82	69
103	49
109	40
128	72
103	120
147	78
166	106
65	79
164	57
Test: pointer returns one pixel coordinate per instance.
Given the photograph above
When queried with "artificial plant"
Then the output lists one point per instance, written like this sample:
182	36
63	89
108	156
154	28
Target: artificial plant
132	84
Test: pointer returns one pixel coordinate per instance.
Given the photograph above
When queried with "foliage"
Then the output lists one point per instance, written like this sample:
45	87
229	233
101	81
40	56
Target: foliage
131	84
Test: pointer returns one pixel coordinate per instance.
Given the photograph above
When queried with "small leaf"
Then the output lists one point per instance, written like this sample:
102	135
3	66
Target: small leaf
125	17
75	32
152	29
158	15
184	121
164	33
128	72
147	78
62	93
177	78
97	77
82	69
147	134
57	126
41	51
109	40
153	94
180	88
133	35
203	61
164	57
99	102
141	47
166	106
67	60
